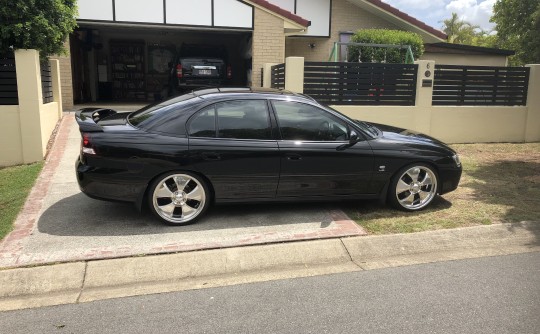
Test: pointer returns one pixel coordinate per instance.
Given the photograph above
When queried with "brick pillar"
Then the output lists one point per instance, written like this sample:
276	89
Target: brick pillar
294	74
65	78
30	102
424	96
532	127
56	84
267	75
268	43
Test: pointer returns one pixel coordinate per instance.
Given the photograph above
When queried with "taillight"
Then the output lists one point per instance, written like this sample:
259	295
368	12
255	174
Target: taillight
229	72
179	73
85	140
86	145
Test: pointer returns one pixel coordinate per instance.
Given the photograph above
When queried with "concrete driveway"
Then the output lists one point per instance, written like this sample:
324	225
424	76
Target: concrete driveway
58	223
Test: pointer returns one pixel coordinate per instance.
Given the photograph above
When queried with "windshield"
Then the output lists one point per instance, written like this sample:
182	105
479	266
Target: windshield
145	115
368	129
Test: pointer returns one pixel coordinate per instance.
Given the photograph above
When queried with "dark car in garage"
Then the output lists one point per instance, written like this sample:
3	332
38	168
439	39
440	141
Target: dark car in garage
254	145
198	66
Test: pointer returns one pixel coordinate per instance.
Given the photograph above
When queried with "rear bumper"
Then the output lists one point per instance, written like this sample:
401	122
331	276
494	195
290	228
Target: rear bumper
188	83
108	184
449	179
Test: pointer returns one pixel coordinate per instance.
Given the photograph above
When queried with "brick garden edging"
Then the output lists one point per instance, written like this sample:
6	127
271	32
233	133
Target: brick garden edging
26	221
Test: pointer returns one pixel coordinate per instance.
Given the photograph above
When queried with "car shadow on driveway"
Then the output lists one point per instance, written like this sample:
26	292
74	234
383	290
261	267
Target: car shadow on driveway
79	215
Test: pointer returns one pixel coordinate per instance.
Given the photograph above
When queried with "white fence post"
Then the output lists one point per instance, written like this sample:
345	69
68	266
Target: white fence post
532	125
424	96
56	84
267	75
294	74
30	102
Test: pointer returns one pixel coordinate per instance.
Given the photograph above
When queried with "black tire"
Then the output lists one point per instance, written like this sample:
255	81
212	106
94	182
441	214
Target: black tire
420	192
178	198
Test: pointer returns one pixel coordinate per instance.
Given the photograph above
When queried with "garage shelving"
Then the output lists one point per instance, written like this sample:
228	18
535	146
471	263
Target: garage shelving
128	67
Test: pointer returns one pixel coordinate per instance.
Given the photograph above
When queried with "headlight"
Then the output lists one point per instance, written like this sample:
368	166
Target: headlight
456	160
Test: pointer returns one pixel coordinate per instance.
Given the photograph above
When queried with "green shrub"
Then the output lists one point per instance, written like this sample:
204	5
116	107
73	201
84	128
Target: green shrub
384	36
43	25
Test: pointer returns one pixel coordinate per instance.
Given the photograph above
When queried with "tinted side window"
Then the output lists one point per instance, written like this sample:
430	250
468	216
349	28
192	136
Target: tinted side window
298	121
243	119
204	123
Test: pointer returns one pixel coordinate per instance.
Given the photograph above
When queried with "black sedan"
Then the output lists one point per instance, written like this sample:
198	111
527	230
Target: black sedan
247	145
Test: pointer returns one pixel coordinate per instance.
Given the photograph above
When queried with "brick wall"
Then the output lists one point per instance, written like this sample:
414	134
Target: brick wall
65	79
345	17
268	43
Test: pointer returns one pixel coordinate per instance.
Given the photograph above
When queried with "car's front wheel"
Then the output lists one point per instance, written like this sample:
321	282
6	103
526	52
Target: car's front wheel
413	188
178	198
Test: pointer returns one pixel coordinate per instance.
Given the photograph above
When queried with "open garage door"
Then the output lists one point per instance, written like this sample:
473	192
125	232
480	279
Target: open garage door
133	63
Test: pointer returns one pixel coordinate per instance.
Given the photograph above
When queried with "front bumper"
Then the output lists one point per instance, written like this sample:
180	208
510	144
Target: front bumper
449	179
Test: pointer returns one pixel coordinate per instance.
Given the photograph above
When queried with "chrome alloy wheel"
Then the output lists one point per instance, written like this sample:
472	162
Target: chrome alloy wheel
179	198
416	188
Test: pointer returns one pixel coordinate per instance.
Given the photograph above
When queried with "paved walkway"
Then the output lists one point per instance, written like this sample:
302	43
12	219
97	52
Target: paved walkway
60	224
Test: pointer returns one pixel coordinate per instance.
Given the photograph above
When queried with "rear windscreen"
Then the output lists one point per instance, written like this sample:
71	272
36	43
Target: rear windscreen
189	62
149	114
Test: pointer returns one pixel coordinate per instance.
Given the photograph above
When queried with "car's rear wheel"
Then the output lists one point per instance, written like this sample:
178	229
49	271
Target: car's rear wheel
178	198
413	188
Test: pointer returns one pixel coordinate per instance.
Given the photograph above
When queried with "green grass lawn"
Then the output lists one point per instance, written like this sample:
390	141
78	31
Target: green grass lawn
15	184
500	183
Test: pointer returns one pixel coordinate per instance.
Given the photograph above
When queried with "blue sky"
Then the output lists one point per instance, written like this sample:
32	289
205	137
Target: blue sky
433	12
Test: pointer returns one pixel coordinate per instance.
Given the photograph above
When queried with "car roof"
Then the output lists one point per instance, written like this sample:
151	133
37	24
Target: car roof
247	92
240	90
225	93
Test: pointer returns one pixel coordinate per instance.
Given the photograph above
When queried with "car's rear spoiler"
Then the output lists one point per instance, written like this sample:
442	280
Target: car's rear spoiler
88	118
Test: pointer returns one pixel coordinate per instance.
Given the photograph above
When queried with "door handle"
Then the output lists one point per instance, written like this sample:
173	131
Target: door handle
293	157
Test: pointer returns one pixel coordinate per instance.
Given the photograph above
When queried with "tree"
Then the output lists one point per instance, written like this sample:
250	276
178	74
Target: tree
459	31
518	27
485	38
43	25
385	36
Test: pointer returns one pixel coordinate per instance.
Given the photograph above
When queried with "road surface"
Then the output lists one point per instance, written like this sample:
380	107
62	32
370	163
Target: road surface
487	295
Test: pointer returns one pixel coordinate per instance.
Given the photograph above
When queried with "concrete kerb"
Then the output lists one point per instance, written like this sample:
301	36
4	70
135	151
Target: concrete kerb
102	279
130	276
41	286
461	243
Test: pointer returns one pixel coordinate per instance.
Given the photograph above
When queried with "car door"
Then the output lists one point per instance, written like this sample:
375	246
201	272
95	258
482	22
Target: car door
316	156
232	144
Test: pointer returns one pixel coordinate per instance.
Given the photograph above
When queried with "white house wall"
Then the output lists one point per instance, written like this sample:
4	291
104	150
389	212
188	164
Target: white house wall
316	11
147	11
232	13
205	13
101	10
200	12
285	4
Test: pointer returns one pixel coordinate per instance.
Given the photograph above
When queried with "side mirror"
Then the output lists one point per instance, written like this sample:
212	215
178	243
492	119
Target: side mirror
353	138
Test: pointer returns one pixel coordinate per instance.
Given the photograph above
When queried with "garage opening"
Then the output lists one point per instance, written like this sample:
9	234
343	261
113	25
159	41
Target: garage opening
139	64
